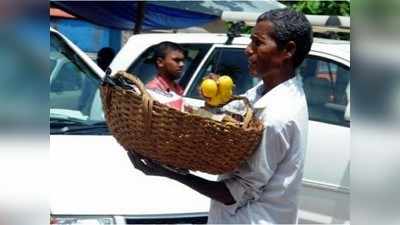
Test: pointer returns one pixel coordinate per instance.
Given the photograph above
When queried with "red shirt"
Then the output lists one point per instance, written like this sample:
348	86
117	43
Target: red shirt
163	83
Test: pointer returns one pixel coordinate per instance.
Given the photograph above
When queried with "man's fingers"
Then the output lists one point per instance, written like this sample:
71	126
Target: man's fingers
149	162
147	166
133	154
137	162
152	164
133	157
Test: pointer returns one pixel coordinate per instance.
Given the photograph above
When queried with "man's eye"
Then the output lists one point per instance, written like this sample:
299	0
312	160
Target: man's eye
257	43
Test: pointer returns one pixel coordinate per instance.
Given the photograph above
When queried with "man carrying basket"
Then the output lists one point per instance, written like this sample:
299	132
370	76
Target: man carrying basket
265	188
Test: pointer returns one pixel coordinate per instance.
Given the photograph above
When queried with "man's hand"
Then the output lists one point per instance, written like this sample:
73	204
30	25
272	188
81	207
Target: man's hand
214	189
147	166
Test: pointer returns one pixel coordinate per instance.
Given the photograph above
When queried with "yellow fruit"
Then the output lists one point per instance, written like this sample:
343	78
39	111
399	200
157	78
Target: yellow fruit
209	88
225	83
226	96
214	101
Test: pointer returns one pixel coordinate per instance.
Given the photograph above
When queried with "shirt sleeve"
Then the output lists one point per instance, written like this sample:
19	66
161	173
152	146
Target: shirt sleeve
250	180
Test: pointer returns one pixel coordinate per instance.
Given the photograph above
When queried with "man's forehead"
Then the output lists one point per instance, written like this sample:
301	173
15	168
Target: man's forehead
262	29
174	53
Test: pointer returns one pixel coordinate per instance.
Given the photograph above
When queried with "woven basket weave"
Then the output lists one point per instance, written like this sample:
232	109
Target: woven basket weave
175	138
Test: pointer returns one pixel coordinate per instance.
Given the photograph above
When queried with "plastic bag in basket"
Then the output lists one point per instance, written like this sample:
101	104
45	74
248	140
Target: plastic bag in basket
170	99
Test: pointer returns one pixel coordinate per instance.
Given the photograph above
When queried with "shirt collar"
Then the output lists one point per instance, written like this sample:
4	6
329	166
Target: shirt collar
275	93
164	80
166	83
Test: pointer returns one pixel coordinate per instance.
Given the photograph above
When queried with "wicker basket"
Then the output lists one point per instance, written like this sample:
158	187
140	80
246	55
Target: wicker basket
171	137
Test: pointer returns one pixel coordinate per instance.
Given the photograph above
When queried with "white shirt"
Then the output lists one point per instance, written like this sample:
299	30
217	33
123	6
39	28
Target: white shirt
266	186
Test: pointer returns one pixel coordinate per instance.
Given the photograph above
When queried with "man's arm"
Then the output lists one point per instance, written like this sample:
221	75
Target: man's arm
216	190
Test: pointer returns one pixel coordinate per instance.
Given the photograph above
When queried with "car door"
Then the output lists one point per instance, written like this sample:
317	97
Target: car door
325	196
325	193
73	84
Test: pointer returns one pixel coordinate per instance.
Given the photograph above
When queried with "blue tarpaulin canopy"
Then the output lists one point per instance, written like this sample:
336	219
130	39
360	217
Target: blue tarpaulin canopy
159	14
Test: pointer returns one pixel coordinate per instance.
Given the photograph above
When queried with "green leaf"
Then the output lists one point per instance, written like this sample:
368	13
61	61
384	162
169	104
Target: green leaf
320	7
314	7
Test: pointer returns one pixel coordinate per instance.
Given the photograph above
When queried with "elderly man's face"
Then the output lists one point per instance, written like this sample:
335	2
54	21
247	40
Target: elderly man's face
262	52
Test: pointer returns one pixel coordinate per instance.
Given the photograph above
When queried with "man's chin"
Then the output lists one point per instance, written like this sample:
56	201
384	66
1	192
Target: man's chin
177	77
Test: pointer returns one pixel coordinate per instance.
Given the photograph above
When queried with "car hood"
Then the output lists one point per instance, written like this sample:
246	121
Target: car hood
93	175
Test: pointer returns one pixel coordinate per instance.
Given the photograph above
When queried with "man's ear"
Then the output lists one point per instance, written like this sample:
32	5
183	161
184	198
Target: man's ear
290	49
159	62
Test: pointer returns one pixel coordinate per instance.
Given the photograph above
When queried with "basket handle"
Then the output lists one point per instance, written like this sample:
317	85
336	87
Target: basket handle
146	97
249	111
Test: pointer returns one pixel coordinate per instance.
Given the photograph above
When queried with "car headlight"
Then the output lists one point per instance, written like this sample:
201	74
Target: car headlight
86	220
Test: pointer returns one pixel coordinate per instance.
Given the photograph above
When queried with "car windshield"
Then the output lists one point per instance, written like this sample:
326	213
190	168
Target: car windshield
74	92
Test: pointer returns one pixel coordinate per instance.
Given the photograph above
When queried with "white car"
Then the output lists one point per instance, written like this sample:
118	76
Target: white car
95	179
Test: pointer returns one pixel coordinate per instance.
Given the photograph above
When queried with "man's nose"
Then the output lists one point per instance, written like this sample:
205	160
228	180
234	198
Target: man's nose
181	64
248	51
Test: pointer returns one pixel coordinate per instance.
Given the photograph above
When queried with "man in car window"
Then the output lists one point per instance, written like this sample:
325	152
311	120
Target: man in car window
265	188
169	60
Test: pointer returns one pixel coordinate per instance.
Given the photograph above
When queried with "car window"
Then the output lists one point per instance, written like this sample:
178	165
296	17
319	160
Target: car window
53	64
72	84
226	61
326	83
68	78
327	88
145	69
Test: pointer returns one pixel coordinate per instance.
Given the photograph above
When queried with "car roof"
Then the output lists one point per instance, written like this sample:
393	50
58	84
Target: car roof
217	38
137	44
340	48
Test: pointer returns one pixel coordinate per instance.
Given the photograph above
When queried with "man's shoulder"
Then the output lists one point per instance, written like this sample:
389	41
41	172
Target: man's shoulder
153	84
254	90
287	111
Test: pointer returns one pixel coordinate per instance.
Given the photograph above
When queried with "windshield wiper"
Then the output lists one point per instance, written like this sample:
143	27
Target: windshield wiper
74	126
100	128
61	122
